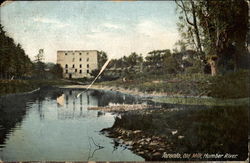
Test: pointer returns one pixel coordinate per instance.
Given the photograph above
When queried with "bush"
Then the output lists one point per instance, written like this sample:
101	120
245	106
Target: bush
230	85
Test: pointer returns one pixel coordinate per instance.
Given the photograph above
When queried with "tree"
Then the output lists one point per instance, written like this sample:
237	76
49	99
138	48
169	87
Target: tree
14	63
171	65
221	27
101	58
189	9
133	60
57	71
155	60
39	65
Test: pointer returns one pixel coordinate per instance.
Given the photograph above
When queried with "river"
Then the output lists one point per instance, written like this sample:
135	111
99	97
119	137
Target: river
37	127
55	125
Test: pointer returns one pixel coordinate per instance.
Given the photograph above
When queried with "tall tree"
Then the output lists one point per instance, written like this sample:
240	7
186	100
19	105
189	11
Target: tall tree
189	14
222	27
101	58
39	65
14	63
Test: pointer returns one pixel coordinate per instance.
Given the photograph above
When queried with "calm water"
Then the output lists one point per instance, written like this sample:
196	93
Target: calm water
56	126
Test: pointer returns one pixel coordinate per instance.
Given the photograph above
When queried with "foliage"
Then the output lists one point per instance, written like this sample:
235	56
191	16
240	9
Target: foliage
210	130
17	86
57	71
230	85
14	63
217	30
101	58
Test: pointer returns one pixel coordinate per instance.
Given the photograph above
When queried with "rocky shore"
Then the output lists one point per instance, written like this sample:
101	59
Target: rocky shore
148	146
134	92
123	108
153	133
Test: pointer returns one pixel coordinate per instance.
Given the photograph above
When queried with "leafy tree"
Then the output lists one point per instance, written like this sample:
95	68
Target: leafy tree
14	63
39	65
57	71
101	58
171	65
156	61
133	60
218	29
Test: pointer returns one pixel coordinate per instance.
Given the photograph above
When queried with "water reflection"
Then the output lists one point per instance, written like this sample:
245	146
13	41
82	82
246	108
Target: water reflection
60	100
55	125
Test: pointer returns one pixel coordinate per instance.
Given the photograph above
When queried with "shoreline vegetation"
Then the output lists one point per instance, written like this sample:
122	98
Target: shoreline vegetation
180	89
152	132
9	87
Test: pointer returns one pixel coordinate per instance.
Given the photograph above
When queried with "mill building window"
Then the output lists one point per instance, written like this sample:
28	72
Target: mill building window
73	66
80	65
66	66
80	59
87	59
87	71
80	71
75	70
87	65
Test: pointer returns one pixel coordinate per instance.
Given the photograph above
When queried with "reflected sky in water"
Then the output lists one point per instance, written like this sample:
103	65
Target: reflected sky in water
55	125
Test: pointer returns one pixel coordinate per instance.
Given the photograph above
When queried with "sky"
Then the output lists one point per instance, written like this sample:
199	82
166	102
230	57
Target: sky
118	28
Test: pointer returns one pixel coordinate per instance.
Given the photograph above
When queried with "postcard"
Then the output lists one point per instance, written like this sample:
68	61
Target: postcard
124	81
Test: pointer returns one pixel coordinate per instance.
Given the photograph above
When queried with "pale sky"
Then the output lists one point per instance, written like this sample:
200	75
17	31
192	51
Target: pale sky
117	28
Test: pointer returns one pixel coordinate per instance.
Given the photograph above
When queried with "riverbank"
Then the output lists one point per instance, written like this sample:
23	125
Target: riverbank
152	133
232	85
167	98
8	87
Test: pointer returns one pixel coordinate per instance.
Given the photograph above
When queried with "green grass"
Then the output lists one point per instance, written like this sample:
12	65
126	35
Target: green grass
203	101
231	85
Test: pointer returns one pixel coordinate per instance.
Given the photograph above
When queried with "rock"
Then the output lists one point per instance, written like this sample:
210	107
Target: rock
157	154
180	137
121	141
142	143
148	139
137	131
174	132
141	153
161	149
128	143
153	143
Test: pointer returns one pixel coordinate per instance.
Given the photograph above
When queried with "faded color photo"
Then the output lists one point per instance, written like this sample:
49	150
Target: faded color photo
124	81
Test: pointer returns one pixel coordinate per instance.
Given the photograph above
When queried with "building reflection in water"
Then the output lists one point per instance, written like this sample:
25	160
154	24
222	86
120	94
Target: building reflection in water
60	100
76	109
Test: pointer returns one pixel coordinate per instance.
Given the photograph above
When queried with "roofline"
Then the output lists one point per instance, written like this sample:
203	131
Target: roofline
76	50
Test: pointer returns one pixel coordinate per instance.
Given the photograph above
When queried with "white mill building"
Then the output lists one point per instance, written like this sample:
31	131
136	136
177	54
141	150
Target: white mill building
77	63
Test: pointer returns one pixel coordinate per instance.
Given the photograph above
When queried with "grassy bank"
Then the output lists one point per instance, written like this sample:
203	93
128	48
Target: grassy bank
231	85
18	86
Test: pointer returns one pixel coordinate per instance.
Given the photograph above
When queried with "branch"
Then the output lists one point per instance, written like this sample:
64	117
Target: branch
185	11
100	147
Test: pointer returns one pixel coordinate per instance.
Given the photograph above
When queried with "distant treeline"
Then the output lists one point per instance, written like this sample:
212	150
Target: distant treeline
15	64
13	60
